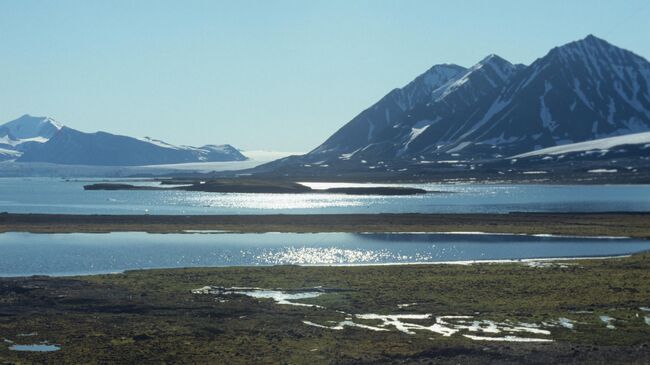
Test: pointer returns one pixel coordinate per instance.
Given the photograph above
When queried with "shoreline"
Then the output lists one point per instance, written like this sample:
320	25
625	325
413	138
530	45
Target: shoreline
388	265
612	224
480	314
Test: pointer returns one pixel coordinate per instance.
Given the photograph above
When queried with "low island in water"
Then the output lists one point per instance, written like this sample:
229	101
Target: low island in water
257	186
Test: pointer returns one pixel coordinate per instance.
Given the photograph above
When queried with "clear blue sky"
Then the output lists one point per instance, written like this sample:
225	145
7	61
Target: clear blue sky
264	74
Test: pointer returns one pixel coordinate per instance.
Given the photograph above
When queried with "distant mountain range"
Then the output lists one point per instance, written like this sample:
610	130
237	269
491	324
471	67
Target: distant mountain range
494	115
42	139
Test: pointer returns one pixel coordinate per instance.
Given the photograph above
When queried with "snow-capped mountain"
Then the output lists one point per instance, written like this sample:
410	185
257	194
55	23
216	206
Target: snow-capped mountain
369	126
581	91
18	133
41	139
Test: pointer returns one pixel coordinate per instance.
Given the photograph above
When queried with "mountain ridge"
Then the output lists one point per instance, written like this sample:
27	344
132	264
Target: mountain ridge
42	139
583	90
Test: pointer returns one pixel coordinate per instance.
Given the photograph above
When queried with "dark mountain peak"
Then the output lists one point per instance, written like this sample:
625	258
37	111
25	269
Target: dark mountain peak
592	49
588	42
493	59
501	66
443	68
592	40
492	71
435	77
493	64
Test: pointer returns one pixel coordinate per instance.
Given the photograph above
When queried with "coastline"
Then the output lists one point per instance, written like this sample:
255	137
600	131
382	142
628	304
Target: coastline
613	224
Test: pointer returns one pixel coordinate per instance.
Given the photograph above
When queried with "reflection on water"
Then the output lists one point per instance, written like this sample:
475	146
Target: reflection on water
58	196
324	256
69	254
273	202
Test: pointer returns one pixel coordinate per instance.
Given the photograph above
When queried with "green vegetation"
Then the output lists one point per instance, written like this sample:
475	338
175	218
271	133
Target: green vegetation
151	316
580	224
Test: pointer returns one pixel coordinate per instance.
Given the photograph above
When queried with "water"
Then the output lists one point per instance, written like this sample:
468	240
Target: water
73	254
35	348
42	195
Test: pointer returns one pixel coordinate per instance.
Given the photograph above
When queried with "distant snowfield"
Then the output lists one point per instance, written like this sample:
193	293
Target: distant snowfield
602	144
20	169
255	158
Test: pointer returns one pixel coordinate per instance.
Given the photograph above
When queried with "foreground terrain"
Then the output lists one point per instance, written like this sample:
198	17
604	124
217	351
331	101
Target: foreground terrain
584	311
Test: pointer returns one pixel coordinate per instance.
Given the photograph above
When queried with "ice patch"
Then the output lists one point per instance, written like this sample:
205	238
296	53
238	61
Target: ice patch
280	296
562	322
602	171
608	322
507	339
406	305
443	325
347	323
547	265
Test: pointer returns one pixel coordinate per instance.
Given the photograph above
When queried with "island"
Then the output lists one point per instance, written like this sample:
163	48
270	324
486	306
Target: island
257	186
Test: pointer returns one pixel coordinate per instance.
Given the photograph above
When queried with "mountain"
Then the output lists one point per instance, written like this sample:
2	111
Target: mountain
581	91
26	130
41	139
367	127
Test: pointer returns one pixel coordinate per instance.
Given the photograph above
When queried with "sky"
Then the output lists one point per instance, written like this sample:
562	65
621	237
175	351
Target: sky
277	75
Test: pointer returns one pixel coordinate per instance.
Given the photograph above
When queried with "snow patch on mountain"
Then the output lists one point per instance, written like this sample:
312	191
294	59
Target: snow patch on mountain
31	139
159	143
544	112
28	126
603	144
6	140
8	154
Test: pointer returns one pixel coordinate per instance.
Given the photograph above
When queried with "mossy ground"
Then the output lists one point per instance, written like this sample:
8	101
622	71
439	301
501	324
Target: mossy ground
151	317
580	224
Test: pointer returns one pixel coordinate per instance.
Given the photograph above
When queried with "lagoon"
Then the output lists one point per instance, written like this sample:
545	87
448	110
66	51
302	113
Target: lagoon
26	254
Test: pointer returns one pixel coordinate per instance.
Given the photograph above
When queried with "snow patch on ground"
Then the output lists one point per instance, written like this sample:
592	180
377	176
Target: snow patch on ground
280	297
442	325
602	171
608	322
